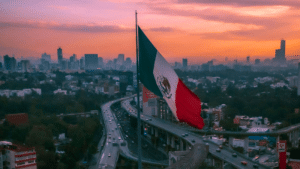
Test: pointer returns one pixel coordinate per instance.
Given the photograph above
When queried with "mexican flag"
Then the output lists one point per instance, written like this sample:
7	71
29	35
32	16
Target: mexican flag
158	76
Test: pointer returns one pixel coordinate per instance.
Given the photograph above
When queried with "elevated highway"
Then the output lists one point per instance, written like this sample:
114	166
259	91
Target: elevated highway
191	139
115	143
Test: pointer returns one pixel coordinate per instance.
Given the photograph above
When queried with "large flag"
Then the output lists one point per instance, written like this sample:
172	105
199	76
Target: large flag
158	76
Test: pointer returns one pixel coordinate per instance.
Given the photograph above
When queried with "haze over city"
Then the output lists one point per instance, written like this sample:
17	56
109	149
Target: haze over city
198	30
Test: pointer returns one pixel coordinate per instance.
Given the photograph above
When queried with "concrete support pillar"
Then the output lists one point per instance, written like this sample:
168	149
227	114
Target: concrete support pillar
172	141
168	139
290	136
152	130
230	140
246	144
156	132
181	145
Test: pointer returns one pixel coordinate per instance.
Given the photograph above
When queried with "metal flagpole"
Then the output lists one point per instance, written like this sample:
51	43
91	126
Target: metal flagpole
138	98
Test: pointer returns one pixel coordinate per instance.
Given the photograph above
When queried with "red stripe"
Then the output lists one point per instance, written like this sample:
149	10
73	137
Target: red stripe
26	154
29	159
188	106
24	166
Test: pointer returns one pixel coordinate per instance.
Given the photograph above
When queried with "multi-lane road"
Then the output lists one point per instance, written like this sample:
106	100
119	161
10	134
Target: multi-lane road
115	144
110	152
225	154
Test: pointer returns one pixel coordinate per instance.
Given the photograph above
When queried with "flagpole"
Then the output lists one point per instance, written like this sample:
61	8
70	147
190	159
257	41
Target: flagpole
138	97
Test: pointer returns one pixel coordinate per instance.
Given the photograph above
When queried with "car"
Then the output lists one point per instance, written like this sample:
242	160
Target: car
234	155
218	150
244	162
255	166
183	135
119	138
126	136
220	146
108	154
123	143
186	134
193	141
150	119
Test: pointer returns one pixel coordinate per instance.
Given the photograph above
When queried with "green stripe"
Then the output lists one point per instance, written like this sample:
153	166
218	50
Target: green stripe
147	55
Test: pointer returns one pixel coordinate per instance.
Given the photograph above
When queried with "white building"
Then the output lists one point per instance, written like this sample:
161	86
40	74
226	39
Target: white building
17	156
279	84
38	91
264	79
238	143
60	91
69	77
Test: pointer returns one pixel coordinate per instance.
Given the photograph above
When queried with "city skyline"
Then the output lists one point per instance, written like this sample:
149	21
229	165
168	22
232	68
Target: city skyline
194	30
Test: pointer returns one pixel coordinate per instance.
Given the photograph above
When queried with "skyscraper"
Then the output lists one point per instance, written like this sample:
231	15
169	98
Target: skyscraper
184	63
46	57
81	63
120	60
59	55
248	59
100	62
73	58
91	61
10	63
280	53
257	61
25	65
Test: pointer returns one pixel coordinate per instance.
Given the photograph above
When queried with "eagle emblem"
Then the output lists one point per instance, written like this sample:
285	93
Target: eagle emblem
164	86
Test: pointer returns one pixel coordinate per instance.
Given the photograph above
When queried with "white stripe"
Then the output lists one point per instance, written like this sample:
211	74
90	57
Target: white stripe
162	68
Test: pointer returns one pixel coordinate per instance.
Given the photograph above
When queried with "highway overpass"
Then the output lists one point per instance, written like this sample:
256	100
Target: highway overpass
174	132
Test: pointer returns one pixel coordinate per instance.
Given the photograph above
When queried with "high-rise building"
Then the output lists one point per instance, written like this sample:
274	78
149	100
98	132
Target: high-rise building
280	53
120	60
25	65
46	57
91	61
73	58
248	59
10	63
100	62
177	65
81	63
126	78
59	56
184	63
257	61
299	79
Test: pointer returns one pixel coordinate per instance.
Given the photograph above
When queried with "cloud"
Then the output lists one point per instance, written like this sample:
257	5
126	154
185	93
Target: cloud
292	3
68	27
162	29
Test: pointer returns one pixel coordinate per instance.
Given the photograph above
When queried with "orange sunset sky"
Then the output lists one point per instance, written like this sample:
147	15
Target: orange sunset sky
199	30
